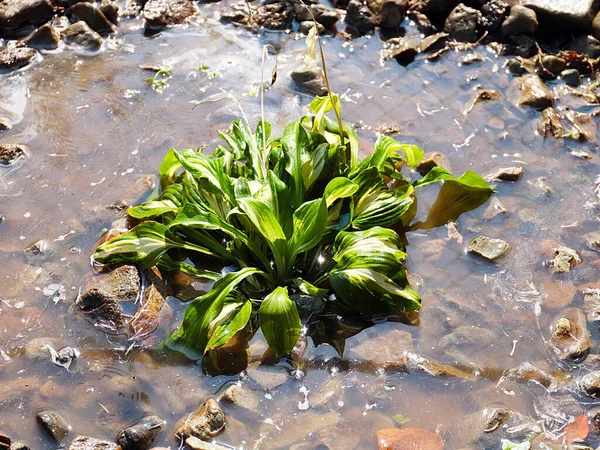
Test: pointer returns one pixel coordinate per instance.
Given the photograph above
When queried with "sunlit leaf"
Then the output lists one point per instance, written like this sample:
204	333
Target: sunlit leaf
338	188
234	321
456	196
143	245
192	337
577	430
310	221
169	201
279	321
308	288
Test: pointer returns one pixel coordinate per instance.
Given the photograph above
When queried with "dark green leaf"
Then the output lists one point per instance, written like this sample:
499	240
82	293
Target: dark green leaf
279	321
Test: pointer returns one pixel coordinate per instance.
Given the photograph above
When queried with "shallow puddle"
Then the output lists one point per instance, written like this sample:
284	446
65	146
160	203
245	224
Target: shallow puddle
97	132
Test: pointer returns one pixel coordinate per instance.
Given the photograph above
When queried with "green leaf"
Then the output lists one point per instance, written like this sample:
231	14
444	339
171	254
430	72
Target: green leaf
400	419
456	196
192	337
267	225
169	201
296	141
143	245
339	187
279	321
210	169
167	264
383	208
369	274
194	216
234	321
436	174
310	221
372	293
308	288
508	445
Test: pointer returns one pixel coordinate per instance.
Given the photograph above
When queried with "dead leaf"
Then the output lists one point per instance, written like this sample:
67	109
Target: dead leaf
578	429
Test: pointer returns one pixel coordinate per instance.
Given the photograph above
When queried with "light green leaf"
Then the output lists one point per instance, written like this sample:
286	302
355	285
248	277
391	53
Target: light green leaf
143	245
436	174
233	322
310	221
296	141
400	419
456	196
267	225
508	445
308	288
192	337
339	187
169	201
279	321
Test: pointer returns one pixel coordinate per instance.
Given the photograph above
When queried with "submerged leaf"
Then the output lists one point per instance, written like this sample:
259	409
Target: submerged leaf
234	322
577	430
279	321
456	196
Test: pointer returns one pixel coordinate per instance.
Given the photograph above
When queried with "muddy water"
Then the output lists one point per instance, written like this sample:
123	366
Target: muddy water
97	133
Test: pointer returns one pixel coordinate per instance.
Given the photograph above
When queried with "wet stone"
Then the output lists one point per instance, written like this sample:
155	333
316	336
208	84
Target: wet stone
141	434
430	161
592	240
19	446
404	52
392	13
13	59
461	24
360	18
571	77
15	13
38	251
275	16
88	443
593	416
160	14
521	20
591	304
82	35
235	394
534	93
204	423
588	45
570	337
507	174
494	209
110	11
37	348
550	123
493	14
578	14
91	15
4	442
528	373
565	259
383	351
44	38
309	81
11	153
433	43
494	416
489	249
54	423
590	384
554	64
325	16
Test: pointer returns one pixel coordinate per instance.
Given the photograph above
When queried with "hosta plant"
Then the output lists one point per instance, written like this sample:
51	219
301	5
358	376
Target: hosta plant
303	229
